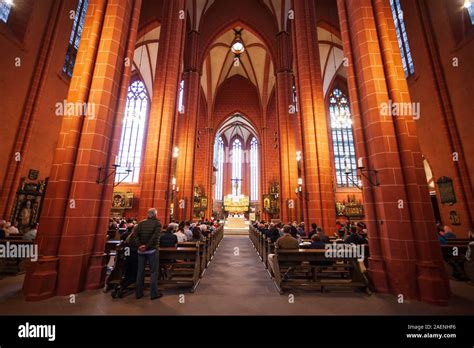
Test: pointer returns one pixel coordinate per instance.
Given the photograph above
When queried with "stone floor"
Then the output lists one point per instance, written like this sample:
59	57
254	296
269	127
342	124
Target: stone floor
232	285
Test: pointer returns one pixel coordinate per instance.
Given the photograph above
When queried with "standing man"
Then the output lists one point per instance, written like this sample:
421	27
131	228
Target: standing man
148	233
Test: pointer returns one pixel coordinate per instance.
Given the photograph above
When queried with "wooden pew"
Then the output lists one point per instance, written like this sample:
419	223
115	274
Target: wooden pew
306	268
454	254
202	253
14	266
184	270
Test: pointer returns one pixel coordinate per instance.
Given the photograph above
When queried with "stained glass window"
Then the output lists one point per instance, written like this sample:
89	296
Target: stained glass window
469	6
220	168
343	139
254	170
402	37
133	130
5	8
75	37
236	167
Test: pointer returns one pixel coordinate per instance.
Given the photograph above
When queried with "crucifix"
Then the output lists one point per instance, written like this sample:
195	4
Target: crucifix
236	186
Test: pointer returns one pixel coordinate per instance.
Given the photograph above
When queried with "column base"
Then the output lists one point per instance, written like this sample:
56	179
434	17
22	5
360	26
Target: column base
40	279
402	276
377	275
96	272
433	284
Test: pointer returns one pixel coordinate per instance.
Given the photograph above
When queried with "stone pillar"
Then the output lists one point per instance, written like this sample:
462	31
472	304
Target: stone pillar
403	220
156	178
76	207
318	177
14	169
376	263
287	125
187	129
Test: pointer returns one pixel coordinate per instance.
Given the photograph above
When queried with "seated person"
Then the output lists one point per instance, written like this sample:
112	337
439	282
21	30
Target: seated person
11	230
197	236
31	234
180	235
168	239
273	233
353	237
314	230
287	241
441	238
322	236
448	233
294	234
316	242
188	231
300	229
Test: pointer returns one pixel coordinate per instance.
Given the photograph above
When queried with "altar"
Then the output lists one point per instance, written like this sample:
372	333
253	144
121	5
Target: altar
236	222
236	206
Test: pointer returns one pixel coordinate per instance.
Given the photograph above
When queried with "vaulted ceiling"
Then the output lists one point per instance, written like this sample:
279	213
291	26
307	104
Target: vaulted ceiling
255	64
145	56
198	8
237	126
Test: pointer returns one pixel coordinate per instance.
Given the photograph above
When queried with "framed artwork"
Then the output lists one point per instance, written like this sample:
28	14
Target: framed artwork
446	190
122	200
26	209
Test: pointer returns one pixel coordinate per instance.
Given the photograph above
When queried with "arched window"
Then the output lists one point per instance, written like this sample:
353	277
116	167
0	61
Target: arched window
254	170
407	61
75	38
5	8
220	168
133	131
343	140
236	167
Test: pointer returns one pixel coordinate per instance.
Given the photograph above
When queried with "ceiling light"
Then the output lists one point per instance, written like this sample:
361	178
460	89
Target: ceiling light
237	46
467	3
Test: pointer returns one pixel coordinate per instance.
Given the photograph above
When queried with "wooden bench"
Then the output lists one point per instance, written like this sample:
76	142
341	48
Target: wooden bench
185	268
310	269
454	254
14	265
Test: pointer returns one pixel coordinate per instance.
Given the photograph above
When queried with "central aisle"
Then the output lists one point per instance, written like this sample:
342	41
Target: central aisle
236	277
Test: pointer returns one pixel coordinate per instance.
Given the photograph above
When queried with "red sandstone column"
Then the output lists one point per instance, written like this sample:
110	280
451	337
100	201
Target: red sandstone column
72	220
187	128
317	182
23	134
406	232
376	263
287	125
156	179
96	270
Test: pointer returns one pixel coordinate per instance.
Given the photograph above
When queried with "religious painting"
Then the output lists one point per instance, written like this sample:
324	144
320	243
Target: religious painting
446	190
26	210
122	200
267	203
203	203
